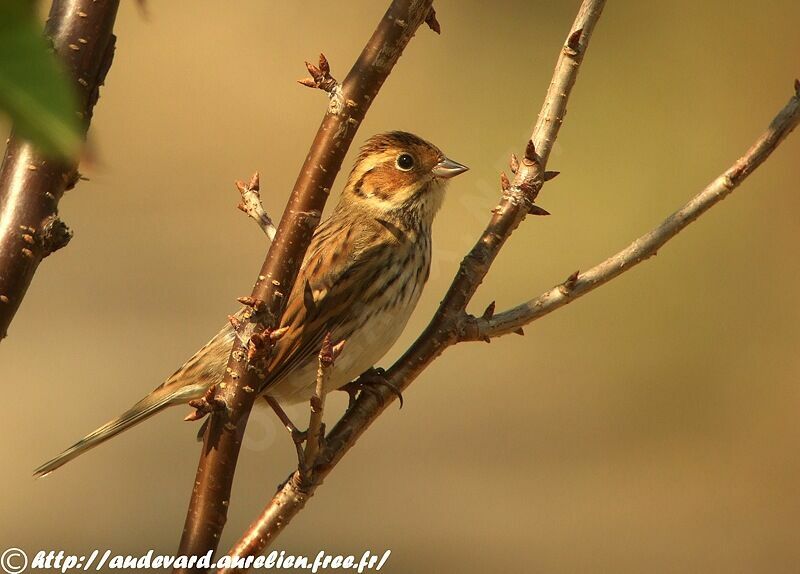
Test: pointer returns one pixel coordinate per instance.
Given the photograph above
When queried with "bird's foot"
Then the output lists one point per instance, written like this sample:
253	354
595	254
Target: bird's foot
368	382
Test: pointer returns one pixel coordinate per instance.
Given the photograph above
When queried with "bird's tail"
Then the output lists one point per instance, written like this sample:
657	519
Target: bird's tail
159	399
191	381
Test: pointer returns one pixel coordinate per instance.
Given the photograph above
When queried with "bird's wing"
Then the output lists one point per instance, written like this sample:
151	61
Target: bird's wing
344	259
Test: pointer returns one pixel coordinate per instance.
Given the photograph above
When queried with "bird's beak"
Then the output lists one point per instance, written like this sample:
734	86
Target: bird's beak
448	168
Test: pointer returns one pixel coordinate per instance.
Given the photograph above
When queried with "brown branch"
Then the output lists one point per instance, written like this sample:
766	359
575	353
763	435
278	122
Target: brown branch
445	327
577	285
222	440
32	184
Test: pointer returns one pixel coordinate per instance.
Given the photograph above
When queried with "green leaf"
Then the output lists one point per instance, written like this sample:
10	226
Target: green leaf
34	88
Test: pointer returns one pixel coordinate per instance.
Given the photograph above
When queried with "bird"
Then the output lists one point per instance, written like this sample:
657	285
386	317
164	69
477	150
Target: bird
359	282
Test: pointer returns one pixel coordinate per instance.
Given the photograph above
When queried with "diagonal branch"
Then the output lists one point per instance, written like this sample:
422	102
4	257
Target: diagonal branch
32	184
483	328
517	200
222	440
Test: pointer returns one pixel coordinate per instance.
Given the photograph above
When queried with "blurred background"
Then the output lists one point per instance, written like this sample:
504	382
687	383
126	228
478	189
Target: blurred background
651	426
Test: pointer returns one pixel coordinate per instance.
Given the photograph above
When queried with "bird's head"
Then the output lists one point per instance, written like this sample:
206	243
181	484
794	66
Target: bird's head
398	174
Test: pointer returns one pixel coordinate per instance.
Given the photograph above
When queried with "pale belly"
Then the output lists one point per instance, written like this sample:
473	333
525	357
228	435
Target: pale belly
361	352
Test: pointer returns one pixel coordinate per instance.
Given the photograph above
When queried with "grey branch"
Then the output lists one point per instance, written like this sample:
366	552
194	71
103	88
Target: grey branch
482	328
554	108
444	328
451	324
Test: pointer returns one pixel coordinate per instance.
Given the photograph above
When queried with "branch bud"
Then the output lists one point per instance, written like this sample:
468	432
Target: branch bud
504	183
432	22
530	153
567	286
489	312
574	42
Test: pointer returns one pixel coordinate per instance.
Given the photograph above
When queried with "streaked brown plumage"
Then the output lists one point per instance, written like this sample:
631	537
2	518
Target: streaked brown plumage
360	280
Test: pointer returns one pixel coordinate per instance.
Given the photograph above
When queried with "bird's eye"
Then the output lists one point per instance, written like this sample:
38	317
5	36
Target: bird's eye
405	161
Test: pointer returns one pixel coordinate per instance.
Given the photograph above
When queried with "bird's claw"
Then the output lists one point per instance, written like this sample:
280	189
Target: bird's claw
367	382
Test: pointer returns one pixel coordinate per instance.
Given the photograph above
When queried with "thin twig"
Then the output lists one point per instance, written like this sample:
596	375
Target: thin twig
252	206
316	429
443	330
579	284
208	507
31	184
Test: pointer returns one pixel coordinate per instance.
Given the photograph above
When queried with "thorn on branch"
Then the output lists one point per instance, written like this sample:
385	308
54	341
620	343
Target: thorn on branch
432	22
504	183
252	206
519	331
489	312
530	154
567	286
797	87
514	163
548	175
536	210
574	42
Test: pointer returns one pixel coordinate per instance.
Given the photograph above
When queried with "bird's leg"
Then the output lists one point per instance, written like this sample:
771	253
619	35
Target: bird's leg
298	436
367	382
352	390
314	437
205	405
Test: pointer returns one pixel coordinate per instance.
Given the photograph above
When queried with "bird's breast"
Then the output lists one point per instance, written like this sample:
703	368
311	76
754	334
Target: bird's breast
372	324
